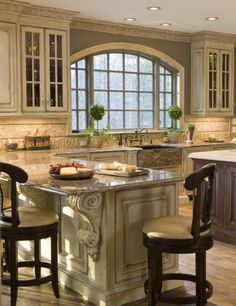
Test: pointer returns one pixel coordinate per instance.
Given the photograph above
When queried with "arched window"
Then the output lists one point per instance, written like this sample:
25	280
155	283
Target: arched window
136	89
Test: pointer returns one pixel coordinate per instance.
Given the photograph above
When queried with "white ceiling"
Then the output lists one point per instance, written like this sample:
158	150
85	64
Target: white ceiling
184	15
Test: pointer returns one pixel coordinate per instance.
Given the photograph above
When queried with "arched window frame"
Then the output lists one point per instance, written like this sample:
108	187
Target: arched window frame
145	51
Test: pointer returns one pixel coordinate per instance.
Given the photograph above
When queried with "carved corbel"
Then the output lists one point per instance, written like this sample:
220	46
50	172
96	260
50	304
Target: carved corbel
89	207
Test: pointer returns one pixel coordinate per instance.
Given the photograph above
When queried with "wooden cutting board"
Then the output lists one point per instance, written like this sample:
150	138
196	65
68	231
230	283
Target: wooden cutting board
137	172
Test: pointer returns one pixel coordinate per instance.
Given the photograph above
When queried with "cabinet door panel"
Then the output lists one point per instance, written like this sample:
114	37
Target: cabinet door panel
8	90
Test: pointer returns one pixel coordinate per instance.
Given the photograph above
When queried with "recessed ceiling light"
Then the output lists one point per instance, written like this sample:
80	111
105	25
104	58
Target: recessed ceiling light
212	18
154	8
129	19
165	24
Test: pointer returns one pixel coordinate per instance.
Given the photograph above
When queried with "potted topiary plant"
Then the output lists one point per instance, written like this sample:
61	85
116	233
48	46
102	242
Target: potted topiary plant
174	134
191	129
96	112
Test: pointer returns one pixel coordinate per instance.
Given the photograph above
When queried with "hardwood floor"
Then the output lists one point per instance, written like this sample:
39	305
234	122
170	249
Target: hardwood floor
221	271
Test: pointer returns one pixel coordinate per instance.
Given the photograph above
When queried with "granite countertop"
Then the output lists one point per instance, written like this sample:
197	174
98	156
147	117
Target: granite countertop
225	155
36	164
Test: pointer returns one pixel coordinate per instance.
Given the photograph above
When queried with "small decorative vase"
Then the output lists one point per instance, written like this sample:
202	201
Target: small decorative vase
189	137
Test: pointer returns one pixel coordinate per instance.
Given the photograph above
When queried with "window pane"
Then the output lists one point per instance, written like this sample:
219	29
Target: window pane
100	62
82	99
116	80
100	97
73	65
145	65
162	101
168	83
82	120
116	100
146	119
162	70
131	81
116	120
146	82
131	100
74	121
131	62
162	83
162	119
73	78
116	61
73	99
146	100
100	80
168	100
103	124
81	64
131	120
81	79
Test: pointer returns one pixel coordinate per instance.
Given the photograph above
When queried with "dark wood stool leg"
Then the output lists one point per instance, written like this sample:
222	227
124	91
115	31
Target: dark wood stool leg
154	276
201	278
6	255
54	265
37	253
14	271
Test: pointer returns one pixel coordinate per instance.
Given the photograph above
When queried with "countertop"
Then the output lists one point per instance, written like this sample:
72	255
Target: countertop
225	155
36	164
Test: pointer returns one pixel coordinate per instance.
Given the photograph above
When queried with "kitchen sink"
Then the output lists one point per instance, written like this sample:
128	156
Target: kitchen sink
157	146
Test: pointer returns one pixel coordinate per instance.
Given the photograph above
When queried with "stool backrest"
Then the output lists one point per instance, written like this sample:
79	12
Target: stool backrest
201	183
16	175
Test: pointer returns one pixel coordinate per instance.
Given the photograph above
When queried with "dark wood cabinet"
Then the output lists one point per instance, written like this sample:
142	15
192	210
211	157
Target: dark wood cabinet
224	200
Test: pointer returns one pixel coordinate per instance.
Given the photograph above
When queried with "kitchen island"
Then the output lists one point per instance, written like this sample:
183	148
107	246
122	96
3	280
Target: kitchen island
100	240
224	200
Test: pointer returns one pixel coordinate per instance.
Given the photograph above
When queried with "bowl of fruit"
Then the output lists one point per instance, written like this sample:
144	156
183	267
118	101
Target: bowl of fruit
70	171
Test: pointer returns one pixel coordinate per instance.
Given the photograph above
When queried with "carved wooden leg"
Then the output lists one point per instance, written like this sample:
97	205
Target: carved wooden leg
14	271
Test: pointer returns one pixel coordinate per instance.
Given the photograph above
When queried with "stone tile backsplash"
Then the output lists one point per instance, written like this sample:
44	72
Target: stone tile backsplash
16	128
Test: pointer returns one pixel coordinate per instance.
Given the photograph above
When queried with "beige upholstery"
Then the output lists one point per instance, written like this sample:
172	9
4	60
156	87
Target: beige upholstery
171	227
33	216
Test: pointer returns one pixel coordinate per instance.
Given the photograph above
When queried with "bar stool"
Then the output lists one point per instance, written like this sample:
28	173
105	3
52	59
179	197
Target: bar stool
182	235
26	223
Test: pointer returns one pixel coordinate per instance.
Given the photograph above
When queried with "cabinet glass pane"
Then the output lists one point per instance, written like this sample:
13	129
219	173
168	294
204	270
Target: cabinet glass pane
29	69
36	44
59	71
52	45
36	70
60	95
59	46
36	95
29	95
52	70
52	95
28	43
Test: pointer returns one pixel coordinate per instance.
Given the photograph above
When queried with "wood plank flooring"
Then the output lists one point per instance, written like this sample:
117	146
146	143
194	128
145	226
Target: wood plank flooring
221	271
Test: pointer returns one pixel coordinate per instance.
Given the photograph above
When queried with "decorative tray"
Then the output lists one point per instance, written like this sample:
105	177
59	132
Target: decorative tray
137	172
77	176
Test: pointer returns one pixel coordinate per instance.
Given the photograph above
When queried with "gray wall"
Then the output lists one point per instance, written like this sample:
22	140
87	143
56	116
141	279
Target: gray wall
180	51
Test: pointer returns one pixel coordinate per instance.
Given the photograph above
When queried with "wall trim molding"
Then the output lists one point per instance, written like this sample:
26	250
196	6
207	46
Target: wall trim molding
23	8
128	30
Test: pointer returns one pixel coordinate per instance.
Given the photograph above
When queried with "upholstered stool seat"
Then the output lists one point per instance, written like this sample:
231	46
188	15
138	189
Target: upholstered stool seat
179	235
26	223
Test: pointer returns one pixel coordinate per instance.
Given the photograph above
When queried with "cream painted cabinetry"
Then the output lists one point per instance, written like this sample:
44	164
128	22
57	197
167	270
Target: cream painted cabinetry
44	70
8	64
212	78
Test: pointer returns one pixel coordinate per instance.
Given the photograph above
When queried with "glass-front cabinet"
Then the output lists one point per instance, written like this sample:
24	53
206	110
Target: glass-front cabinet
212	79
44	70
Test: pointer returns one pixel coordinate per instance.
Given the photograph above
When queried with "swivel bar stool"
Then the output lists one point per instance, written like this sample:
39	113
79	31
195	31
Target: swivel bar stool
181	235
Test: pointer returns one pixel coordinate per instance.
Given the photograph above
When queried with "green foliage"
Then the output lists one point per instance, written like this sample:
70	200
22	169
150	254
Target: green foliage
175	112
191	127
97	111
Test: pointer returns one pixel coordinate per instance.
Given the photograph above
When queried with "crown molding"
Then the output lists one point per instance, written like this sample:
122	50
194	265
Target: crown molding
213	36
23	8
128	30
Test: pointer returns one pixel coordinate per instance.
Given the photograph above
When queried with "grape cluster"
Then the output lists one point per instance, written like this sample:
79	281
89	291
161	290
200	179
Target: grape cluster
55	169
